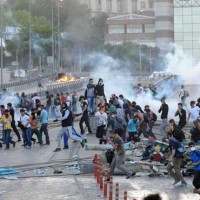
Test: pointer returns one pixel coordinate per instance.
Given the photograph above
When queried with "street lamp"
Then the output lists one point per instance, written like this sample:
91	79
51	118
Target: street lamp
1	36
30	42
59	57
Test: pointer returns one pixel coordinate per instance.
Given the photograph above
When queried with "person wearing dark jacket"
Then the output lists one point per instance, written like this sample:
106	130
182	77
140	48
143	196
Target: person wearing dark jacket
66	123
90	96
12	113
182	116
99	92
164	114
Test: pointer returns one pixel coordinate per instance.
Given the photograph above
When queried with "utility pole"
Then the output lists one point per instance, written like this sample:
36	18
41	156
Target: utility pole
1	36
58	35
52	27
30	42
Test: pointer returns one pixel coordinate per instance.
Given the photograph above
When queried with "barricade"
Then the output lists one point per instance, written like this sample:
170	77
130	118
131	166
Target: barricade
125	195
111	189
117	191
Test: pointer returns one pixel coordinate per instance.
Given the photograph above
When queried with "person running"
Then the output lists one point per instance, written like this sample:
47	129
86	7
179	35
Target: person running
164	109
85	116
44	124
151	118
26	130
12	113
194	155
175	160
118	159
142	126
34	129
67	127
182	115
6	120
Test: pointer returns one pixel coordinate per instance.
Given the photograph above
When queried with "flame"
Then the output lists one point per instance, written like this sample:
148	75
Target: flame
66	78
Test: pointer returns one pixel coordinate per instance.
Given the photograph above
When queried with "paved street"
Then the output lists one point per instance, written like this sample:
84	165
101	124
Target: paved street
36	179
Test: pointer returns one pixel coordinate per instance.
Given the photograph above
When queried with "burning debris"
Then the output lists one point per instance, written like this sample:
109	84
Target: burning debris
64	77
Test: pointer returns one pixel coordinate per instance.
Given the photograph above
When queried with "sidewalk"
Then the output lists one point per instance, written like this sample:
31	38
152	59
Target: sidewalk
39	183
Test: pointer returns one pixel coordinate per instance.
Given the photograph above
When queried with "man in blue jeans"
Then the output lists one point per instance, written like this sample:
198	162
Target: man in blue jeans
26	128
44	122
90	96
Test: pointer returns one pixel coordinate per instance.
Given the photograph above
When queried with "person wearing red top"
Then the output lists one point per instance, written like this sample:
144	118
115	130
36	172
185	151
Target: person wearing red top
63	98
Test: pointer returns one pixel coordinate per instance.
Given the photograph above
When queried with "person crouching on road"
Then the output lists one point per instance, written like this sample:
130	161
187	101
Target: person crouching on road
26	131
67	123
118	159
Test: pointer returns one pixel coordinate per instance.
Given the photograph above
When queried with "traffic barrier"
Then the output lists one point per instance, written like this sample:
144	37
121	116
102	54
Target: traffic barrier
111	189
125	195
101	176
105	189
117	191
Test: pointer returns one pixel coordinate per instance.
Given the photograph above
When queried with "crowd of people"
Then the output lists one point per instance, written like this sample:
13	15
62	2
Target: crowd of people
118	120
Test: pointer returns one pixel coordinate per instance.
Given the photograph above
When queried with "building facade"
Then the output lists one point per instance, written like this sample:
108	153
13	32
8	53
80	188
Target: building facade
117	7
187	26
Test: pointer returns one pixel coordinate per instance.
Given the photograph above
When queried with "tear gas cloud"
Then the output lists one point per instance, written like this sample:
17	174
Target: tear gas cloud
119	80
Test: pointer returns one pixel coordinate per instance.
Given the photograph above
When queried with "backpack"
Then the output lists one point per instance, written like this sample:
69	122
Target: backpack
146	118
178	134
181	149
72	116
186	93
109	155
154	117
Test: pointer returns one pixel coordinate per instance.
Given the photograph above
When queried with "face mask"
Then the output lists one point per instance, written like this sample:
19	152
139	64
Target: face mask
193	148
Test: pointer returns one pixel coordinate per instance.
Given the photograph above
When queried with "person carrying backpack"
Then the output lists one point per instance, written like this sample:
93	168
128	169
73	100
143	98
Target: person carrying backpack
175	160
194	155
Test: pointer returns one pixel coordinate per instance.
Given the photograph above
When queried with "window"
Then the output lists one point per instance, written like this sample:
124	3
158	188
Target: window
187	44
98	5
142	5
187	36
179	36
151	4
149	28
119	6
187	19
196	19
134	6
178	19
178	11
109	5
116	28
134	28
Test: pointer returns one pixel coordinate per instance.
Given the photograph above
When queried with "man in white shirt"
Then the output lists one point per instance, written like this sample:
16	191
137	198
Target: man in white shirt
26	128
193	112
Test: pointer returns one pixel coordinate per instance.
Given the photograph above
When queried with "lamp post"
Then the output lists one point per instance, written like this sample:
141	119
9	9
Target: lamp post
59	57
52	27
30	42
1	36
